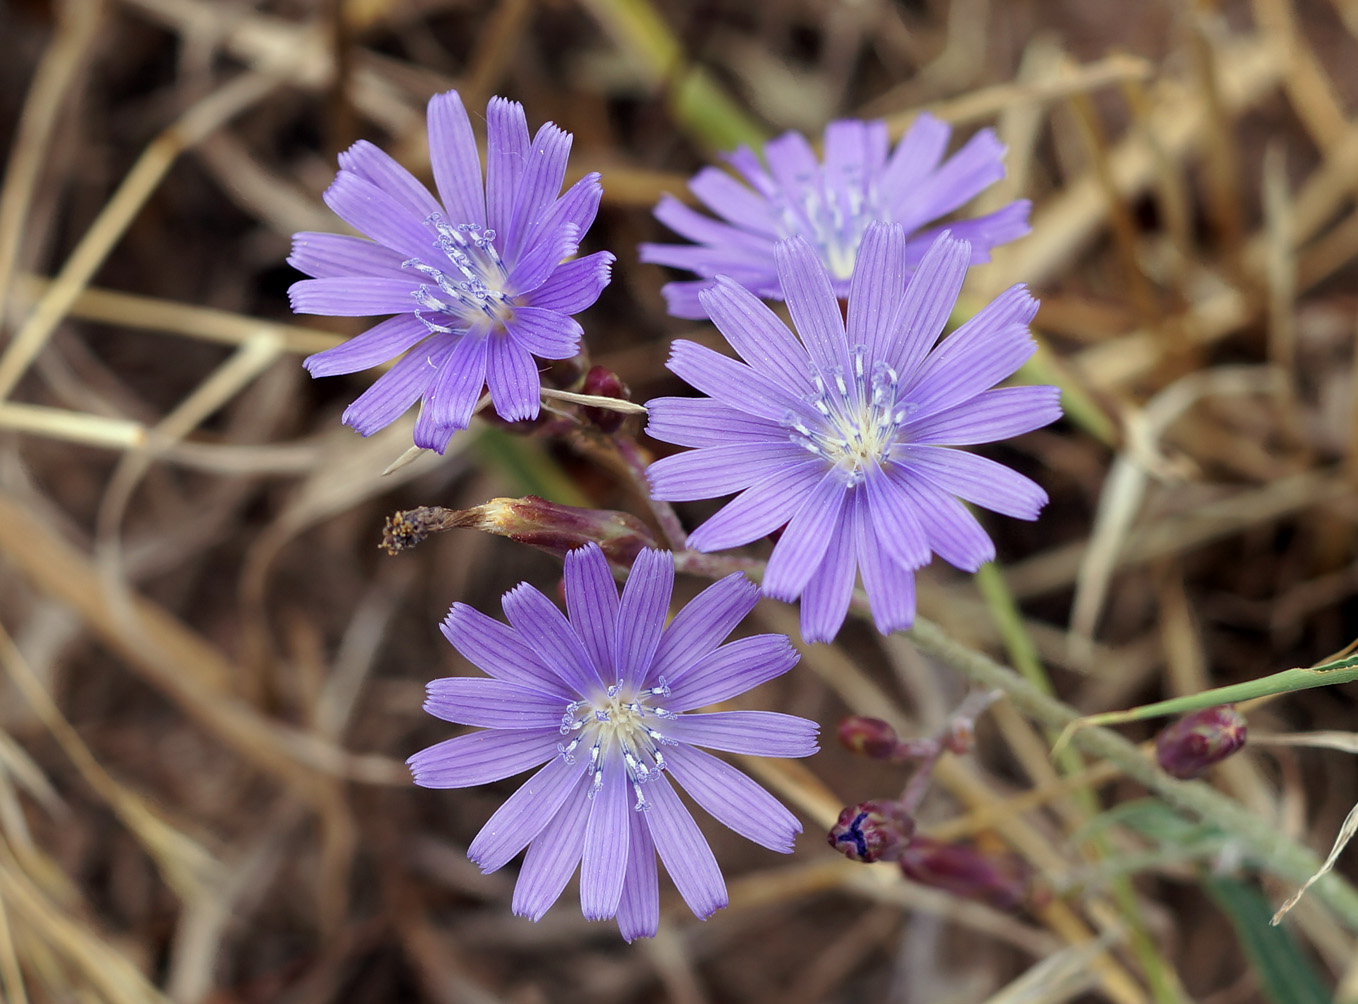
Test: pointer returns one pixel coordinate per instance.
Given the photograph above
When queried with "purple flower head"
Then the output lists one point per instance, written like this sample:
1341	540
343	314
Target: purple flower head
846	436
600	697
831	204
478	278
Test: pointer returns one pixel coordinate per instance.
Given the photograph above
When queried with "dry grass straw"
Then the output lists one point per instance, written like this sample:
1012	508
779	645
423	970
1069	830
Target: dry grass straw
283	708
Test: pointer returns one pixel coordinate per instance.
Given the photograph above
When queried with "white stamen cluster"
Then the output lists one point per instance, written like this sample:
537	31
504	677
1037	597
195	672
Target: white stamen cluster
832	217
474	285
851	430
621	728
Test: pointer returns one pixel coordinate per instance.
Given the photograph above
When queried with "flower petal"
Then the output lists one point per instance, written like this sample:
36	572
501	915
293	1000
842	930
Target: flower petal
916	156
714	471
592	603
758	733
546	630
701	626
452	395
524	814
496	649
895	521
379	343
813	305
733	202
574	285
733	799
492	704
353	296
539	186
1006	224
966	363
759	509
890	586
735	383
552	857
701	421
548	334
603	871
330	256
732	669
541	258
926	306
978	480
878	283
507	148
370	210
513	379
757	334
990	416
456	164
959	179
799	551
641	615
684	850
825	600
639	908
953	532
483	756
397	389
373	164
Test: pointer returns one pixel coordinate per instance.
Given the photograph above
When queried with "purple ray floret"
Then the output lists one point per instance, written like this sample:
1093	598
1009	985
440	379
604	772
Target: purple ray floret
830	202
478	278
598	700
846	436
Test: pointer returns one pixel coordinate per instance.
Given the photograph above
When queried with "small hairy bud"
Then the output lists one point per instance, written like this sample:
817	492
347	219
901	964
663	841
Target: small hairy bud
1192	744
869	737
530	520
1001	880
601	382
872	831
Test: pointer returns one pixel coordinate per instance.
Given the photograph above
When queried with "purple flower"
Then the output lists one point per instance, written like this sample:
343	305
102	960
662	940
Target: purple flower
831	204
477	278
600	698
846	436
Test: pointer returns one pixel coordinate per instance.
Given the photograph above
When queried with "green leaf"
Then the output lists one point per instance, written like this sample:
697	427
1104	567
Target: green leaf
1286	975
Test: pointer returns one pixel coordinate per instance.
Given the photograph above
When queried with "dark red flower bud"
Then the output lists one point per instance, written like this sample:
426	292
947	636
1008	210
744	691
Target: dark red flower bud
1195	742
1002	880
869	737
601	382
872	831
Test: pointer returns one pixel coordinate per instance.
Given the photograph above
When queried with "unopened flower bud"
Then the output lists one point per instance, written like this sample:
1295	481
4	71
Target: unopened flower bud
601	382
1195	742
872	831
1002	880
869	737
530	520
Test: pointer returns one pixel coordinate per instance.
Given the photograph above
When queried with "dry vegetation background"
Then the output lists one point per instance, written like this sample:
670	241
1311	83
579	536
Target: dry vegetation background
209	674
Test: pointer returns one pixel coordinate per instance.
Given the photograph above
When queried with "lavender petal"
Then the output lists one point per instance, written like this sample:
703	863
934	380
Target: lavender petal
685	851
374	165
990	416
916	156
592	603
878	283
899	530
549	634
759	509
507	150
890	586
733	202
734	800
701	626
480	757
813	305
714	471
379	343
457	165
925	308
732	669
513	380
755	332
353	296
370	210
639	908
547	334
574	285
825	600
603	870
497	649
700	421
979	480
641	614
552	857
491	704
394	391
539	186
953	532
758	733
800	549
732	382
524	814
332	256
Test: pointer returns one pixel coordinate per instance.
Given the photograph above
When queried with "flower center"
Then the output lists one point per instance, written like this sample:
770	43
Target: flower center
621	728
832	216
473	283
855	423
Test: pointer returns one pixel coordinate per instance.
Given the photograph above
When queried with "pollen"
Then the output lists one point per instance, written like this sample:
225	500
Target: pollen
621	728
